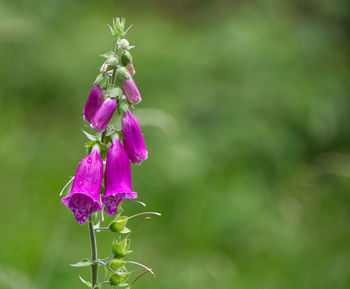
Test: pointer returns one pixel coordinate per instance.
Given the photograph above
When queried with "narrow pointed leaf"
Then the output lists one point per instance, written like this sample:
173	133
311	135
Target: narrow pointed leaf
85	282
82	263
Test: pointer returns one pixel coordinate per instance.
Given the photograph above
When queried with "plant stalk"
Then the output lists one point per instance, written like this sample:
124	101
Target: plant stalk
94	277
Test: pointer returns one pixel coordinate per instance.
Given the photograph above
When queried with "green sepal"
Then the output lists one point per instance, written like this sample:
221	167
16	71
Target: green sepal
91	136
82	263
123	106
98	79
87	283
103	148
104	82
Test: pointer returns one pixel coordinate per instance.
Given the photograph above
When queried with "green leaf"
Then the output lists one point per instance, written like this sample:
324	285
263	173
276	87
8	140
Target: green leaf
125	231
91	136
85	282
123	284
82	263
108	54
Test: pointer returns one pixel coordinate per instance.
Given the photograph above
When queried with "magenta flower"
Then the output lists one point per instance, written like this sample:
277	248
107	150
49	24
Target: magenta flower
93	103
133	139
104	114
117	177
130	90
84	198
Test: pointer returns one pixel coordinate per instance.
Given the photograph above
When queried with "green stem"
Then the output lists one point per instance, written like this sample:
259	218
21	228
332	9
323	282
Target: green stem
103	136
94	277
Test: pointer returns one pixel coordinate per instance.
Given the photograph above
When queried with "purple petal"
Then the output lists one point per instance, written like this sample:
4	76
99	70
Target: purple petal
133	139
82	206
93	102
104	114
112	201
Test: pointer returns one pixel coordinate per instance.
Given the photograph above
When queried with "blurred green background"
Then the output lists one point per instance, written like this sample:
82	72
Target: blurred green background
245	113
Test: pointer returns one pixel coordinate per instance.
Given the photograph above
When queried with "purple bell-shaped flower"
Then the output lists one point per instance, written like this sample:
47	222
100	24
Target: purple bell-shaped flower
93	103
117	177
84	198
133	139
104	114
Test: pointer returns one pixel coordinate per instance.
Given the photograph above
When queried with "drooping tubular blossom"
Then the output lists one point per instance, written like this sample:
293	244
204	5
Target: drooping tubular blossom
84	197
133	139
93	103
129	87
104	114
130	90
117	177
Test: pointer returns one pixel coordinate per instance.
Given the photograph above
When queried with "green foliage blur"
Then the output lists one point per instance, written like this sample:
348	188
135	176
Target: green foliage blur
245	113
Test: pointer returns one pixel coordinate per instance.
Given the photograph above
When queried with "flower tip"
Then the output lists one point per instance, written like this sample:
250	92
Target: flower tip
94	126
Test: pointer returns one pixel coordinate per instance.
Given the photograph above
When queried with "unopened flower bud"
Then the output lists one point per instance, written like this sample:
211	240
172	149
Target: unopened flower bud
126	58
118	278
115	279
93	103
119	224
104	114
123	43
133	139
111	61
116	264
